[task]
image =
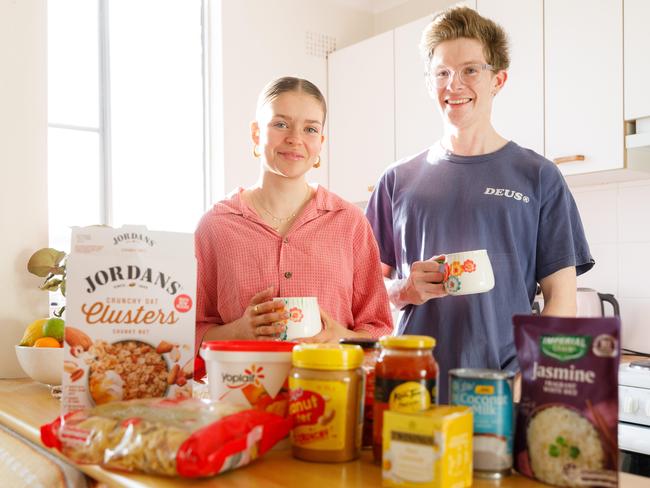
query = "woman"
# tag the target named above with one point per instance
(283, 238)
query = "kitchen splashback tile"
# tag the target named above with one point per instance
(634, 202)
(634, 270)
(603, 277)
(597, 206)
(634, 321)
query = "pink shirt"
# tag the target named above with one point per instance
(330, 252)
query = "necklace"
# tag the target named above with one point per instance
(279, 221)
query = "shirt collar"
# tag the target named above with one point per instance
(323, 201)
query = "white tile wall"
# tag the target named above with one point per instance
(616, 218)
(635, 318)
(634, 212)
(604, 276)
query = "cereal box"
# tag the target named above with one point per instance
(429, 449)
(130, 316)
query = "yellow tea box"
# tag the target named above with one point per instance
(430, 449)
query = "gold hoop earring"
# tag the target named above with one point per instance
(317, 163)
(255, 153)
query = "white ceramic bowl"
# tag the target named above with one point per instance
(42, 364)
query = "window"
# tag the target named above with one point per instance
(126, 114)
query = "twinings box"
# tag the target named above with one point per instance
(130, 316)
(430, 449)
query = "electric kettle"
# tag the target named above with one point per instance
(590, 303)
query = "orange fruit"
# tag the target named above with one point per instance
(47, 342)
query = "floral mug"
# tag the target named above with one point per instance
(304, 317)
(467, 272)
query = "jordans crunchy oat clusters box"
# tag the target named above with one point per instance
(130, 316)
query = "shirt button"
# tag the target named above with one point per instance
(285, 240)
(288, 274)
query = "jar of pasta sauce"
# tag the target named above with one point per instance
(406, 378)
(326, 389)
(370, 353)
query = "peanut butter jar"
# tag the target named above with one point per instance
(326, 390)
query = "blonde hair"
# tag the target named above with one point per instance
(463, 22)
(290, 84)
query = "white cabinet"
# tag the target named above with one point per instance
(361, 93)
(418, 123)
(583, 47)
(637, 59)
(518, 109)
(379, 107)
(417, 120)
(563, 97)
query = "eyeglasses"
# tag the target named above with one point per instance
(470, 74)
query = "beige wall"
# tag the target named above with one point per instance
(23, 161)
(263, 40)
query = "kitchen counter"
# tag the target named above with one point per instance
(26, 405)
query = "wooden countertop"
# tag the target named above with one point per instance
(26, 405)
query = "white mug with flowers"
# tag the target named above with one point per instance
(468, 272)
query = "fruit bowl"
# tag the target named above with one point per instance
(42, 364)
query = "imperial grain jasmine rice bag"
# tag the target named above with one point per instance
(129, 316)
(567, 421)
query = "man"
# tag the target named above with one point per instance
(474, 189)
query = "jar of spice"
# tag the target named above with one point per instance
(406, 377)
(325, 401)
(370, 353)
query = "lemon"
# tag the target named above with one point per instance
(33, 332)
(54, 328)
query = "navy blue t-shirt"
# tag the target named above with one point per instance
(512, 202)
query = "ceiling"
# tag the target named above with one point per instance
(374, 6)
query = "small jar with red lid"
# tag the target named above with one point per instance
(406, 378)
(371, 353)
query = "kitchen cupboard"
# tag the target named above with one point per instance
(380, 109)
(583, 49)
(362, 115)
(518, 109)
(636, 59)
(563, 99)
(636, 38)
(417, 121)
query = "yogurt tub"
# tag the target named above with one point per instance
(249, 373)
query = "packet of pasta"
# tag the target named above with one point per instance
(173, 437)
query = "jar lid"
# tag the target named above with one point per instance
(327, 356)
(408, 342)
(364, 343)
(249, 346)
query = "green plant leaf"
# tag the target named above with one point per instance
(63, 287)
(45, 261)
(51, 285)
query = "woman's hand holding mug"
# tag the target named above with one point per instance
(264, 317)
